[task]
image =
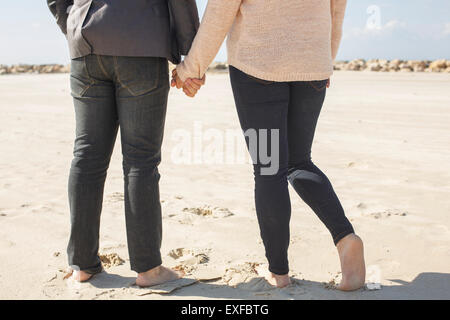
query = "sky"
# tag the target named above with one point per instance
(385, 29)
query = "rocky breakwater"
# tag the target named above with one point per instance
(34, 69)
(378, 65)
(375, 65)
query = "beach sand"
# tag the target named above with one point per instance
(383, 139)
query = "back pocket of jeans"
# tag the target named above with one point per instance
(138, 75)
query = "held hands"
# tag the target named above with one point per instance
(190, 86)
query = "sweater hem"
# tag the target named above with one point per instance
(280, 77)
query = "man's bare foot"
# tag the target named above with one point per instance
(278, 281)
(158, 275)
(79, 276)
(351, 254)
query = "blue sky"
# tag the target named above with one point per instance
(406, 29)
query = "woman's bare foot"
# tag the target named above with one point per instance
(158, 275)
(351, 254)
(79, 276)
(278, 281)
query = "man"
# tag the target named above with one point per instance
(119, 78)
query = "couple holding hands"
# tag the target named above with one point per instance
(281, 57)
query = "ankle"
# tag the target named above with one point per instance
(348, 238)
(152, 272)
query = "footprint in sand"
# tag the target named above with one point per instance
(115, 197)
(294, 239)
(188, 260)
(357, 165)
(242, 273)
(110, 260)
(361, 205)
(42, 208)
(209, 211)
(386, 214)
(110, 245)
(7, 243)
(108, 294)
(251, 276)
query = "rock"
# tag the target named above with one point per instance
(356, 65)
(339, 65)
(218, 66)
(4, 69)
(438, 65)
(394, 65)
(66, 69)
(23, 68)
(416, 63)
(374, 66)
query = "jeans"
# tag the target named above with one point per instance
(291, 108)
(108, 93)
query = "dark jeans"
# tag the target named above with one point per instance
(293, 109)
(108, 93)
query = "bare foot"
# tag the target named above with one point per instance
(158, 275)
(79, 276)
(278, 281)
(351, 253)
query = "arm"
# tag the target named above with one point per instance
(217, 21)
(337, 19)
(59, 10)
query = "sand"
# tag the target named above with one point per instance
(383, 139)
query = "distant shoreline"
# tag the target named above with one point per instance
(374, 65)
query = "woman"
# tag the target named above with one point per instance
(281, 58)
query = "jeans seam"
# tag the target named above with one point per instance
(100, 63)
(91, 80)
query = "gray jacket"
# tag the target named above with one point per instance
(151, 28)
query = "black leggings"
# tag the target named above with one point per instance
(292, 108)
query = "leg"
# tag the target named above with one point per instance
(263, 106)
(96, 129)
(142, 91)
(310, 182)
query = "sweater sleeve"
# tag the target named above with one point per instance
(216, 23)
(337, 18)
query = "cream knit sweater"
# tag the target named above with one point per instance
(278, 40)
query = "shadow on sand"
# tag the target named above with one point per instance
(427, 285)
